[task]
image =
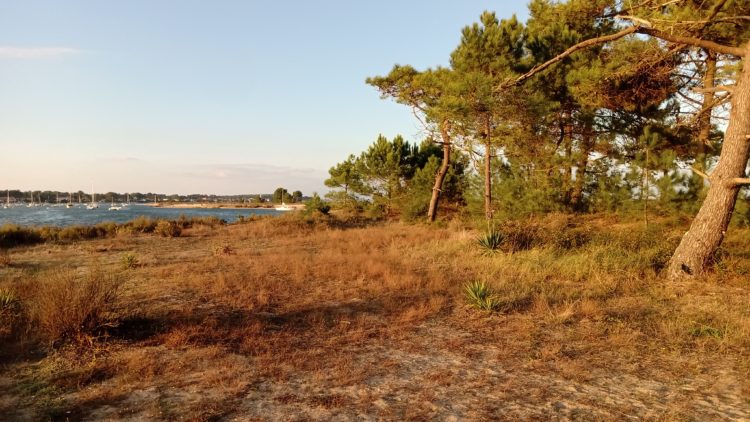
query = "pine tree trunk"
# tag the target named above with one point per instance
(704, 123)
(440, 176)
(487, 169)
(576, 195)
(706, 233)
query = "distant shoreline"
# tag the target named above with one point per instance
(215, 206)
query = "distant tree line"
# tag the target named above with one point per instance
(52, 197)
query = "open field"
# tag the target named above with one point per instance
(314, 318)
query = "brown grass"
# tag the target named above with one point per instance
(318, 318)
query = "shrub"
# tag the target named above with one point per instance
(166, 228)
(224, 249)
(490, 242)
(142, 225)
(10, 312)
(129, 260)
(68, 307)
(5, 260)
(14, 235)
(479, 295)
(316, 203)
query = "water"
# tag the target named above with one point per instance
(79, 215)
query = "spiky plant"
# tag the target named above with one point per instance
(479, 295)
(491, 241)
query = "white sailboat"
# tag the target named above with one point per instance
(31, 204)
(283, 207)
(93, 205)
(70, 200)
(114, 207)
(7, 199)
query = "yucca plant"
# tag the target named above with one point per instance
(491, 241)
(479, 295)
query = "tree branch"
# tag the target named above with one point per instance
(738, 181)
(580, 46)
(706, 177)
(720, 88)
(697, 42)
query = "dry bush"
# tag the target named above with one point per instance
(166, 228)
(5, 259)
(70, 307)
(10, 313)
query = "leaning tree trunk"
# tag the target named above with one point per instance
(701, 241)
(487, 169)
(440, 176)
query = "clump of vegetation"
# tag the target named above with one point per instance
(491, 241)
(129, 260)
(14, 235)
(10, 312)
(75, 308)
(317, 204)
(166, 228)
(224, 249)
(480, 296)
(5, 259)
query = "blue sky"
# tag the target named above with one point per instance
(207, 96)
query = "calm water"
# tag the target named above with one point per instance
(61, 216)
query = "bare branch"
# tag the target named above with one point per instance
(705, 176)
(720, 88)
(739, 181)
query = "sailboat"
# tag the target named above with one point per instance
(113, 207)
(31, 204)
(93, 205)
(283, 207)
(70, 200)
(127, 203)
(7, 200)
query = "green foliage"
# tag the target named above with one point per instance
(281, 195)
(317, 204)
(480, 296)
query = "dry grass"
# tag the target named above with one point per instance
(315, 318)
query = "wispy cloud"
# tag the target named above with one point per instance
(26, 53)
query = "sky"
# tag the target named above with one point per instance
(224, 97)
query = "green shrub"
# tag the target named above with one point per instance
(316, 203)
(166, 228)
(480, 296)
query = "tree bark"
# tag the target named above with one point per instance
(576, 195)
(487, 169)
(704, 123)
(698, 245)
(440, 176)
